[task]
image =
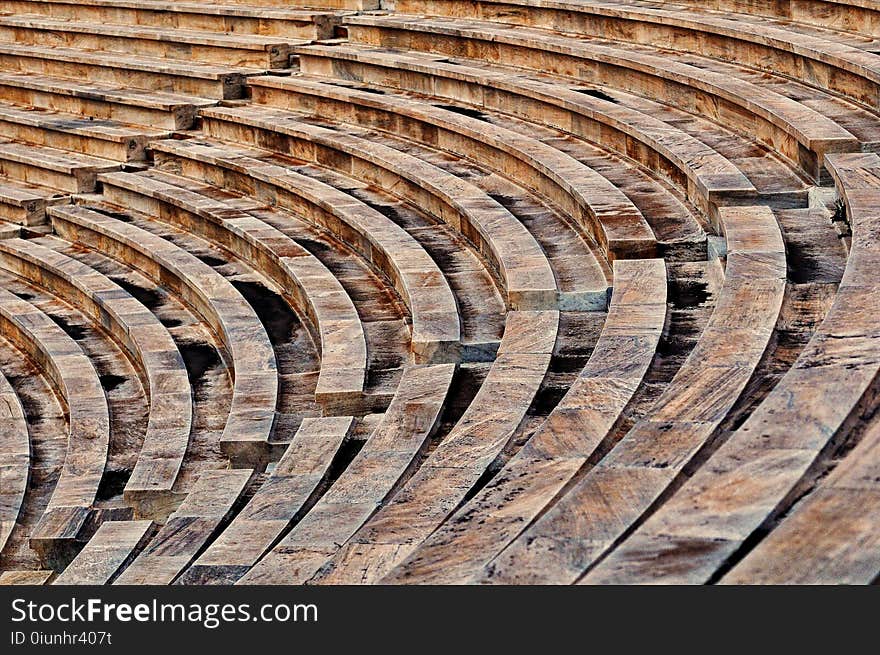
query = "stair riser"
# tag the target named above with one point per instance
(79, 181)
(228, 87)
(178, 118)
(276, 56)
(131, 149)
(321, 28)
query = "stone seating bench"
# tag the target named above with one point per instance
(25, 204)
(389, 454)
(452, 469)
(793, 129)
(315, 293)
(862, 16)
(777, 453)
(562, 445)
(31, 578)
(828, 538)
(255, 386)
(291, 490)
(617, 491)
(202, 16)
(522, 268)
(834, 62)
(536, 165)
(246, 50)
(130, 72)
(82, 135)
(63, 524)
(55, 169)
(436, 331)
(83, 97)
(15, 459)
(705, 176)
(151, 489)
(207, 507)
(109, 550)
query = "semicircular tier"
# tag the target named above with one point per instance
(463, 291)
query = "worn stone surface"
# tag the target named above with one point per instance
(253, 407)
(113, 545)
(208, 505)
(458, 291)
(88, 435)
(387, 457)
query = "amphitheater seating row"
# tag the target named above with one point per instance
(207, 507)
(25, 204)
(445, 199)
(560, 448)
(525, 275)
(291, 490)
(156, 109)
(552, 173)
(791, 128)
(383, 463)
(109, 550)
(52, 168)
(850, 15)
(756, 475)
(435, 322)
(15, 446)
(563, 543)
(706, 176)
(464, 456)
(63, 525)
(313, 289)
(242, 18)
(152, 485)
(217, 301)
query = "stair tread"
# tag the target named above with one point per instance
(275, 13)
(131, 62)
(106, 130)
(52, 158)
(195, 37)
(88, 89)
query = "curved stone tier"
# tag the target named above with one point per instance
(439, 292)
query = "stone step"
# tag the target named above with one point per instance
(247, 50)
(25, 204)
(83, 97)
(251, 18)
(48, 167)
(131, 71)
(106, 139)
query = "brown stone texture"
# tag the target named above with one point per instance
(439, 292)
